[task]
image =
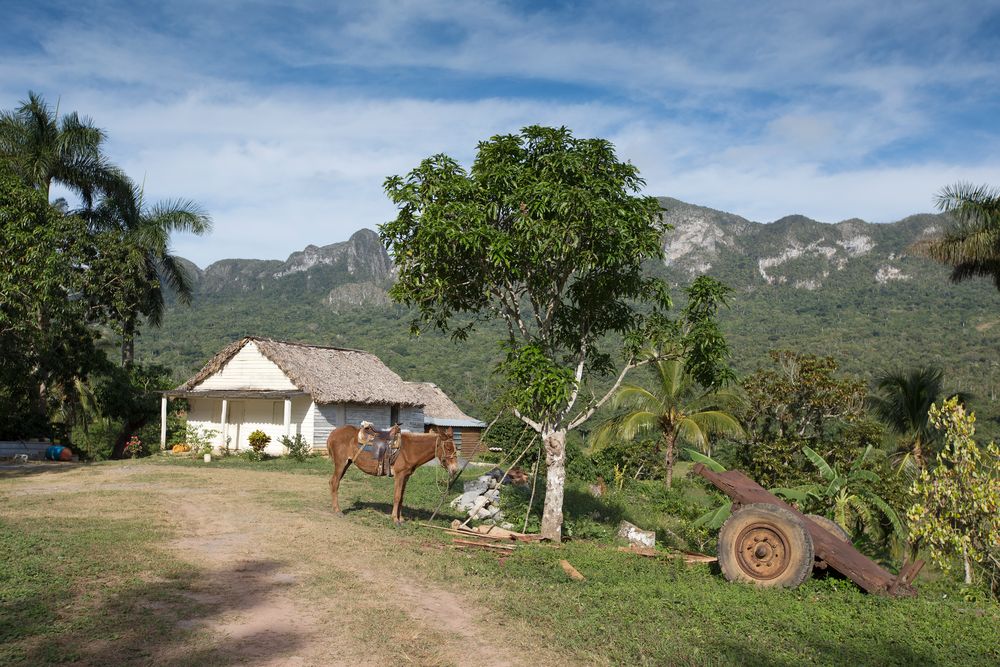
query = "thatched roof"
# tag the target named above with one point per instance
(329, 374)
(441, 410)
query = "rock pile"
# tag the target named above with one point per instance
(480, 497)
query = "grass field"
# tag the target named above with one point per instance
(91, 574)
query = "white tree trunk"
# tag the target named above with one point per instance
(968, 567)
(555, 482)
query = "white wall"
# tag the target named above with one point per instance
(204, 415)
(249, 415)
(248, 369)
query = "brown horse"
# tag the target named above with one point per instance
(415, 449)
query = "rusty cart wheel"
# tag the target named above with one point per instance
(766, 545)
(830, 526)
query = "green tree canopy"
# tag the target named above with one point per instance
(547, 233)
(801, 402)
(45, 292)
(957, 508)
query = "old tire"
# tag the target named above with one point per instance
(831, 527)
(765, 545)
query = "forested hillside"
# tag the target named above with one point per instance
(849, 290)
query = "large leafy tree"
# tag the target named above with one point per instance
(902, 401)
(44, 148)
(45, 341)
(957, 508)
(675, 409)
(971, 246)
(801, 402)
(137, 236)
(548, 234)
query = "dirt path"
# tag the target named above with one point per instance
(284, 583)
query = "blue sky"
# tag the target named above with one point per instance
(284, 121)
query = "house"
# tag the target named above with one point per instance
(286, 388)
(441, 412)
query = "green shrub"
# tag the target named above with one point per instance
(199, 440)
(259, 440)
(253, 455)
(297, 447)
(636, 459)
(97, 441)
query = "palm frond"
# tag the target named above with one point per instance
(634, 396)
(969, 201)
(634, 423)
(690, 431)
(716, 422)
(181, 215)
(176, 277)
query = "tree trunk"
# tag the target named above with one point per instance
(918, 453)
(128, 343)
(968, 567)
(555, 482)
(668, 459)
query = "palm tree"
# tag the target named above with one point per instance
(675, 410)
(147, 264)
(902, 401)
(971, 246)
(44, 148)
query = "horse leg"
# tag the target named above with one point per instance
(397, 503)
(339, 468)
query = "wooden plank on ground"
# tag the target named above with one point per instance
(573, 573)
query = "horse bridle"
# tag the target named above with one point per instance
(440, 441)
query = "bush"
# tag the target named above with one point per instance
(253, 455)
(98, 440)
(297, 447)
(637, 459)
(259, 440)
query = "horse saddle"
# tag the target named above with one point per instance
(383, 445)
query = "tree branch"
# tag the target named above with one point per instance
(578, 378)
(530, 422)
(589, 412)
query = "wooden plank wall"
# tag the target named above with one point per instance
(467, 440)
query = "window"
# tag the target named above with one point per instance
(278, 412)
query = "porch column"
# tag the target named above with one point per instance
(163, 422)
(225, 426)
(288, 417)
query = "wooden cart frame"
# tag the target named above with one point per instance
(772, 543)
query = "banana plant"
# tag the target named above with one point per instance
(848, 500)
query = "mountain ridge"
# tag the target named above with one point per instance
(851, 290)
